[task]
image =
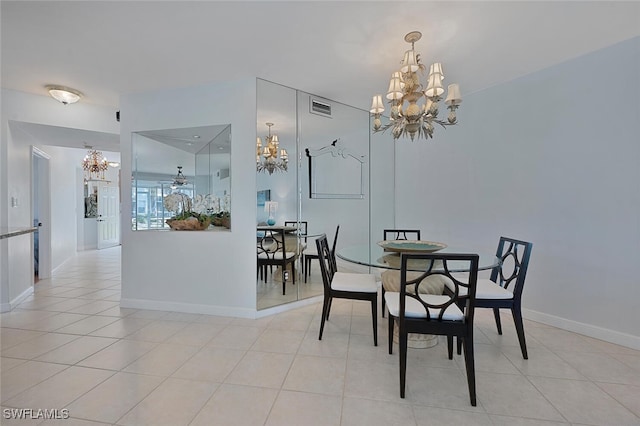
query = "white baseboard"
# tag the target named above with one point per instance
(190, 308)
(226, 311)
(611, 336)
(288, 306)
(6, 307)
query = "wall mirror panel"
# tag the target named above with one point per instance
(194, 162)
(286, 196)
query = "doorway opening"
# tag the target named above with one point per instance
(41, 213)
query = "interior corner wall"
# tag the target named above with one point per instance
(203, 272)
(551, 158)
(16, 255)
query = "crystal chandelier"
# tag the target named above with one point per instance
(414, 110)
(94, 163)
(267, 158)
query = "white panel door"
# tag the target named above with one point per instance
(108, 215)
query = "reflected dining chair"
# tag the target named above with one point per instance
(418, 311)
(312, 253)
(344, 285)
(272, 250)
(397, 234)
(302, 233)
(401, 234)
(503, 290)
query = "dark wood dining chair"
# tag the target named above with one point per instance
(397, 234)
(312, 253)
(273, 250)
(344, 285)
(503, 290)
(401, 234)
(416, 311)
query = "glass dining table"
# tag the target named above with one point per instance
(375, 256)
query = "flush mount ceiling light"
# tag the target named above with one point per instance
(421, 109)
(64, 95)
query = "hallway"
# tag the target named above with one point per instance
(70, 346)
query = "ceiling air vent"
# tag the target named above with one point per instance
(320, 108)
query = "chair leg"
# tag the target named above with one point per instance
(450, 346)
(517, 319)
(459, 345)
(374, 318)
(325, 314)
(390, 334)
(403, 361)
(496, 314)
(470, 366)
(307, 265)
(382, 303)
(329, 308)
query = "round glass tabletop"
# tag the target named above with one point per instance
(375, 256)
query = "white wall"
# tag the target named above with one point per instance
(551, 158)
(15, 173)
(207, 272)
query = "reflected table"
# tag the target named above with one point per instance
(292, 239)
(375, 256)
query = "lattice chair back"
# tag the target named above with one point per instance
(300, 225)
(514, 255)
(272, 245)
(401, 234)
(327, 261)
(434, 273)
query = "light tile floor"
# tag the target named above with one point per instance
(70, 346)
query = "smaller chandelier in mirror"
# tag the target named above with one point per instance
(414, 110)
(179, 180)
(271, 158)
(94, 164)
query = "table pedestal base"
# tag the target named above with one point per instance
(416, 341)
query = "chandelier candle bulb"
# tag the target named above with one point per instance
(377, 108)
(395, 89)
(453, 95)
(436, 68)
(410, 62)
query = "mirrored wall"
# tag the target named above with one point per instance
(327, 182)
(189, 164)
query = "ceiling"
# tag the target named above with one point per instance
(344, 51)
(191, 139)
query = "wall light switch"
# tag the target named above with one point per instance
(14, 201)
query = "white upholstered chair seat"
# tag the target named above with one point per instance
(414, 309)
(347, 281)
(277, 255)
(486, 289)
